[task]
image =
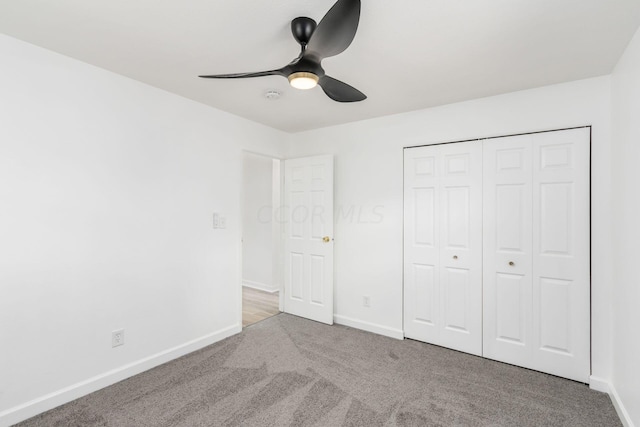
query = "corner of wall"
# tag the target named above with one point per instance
(604, 386)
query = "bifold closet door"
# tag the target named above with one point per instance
(536, 252)
(508, 237)
(443, 245)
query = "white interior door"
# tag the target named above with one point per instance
(443, 245)
(536, 266)
(308, 203)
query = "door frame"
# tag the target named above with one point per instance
(277, 229)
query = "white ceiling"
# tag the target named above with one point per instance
(407, 54)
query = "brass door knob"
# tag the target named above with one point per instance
(326, 239)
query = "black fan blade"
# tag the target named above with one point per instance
(336, 30)
(339, 91)
(279, 72)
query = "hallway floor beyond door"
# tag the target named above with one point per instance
(258, 305)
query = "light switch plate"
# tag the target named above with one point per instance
(219, 220)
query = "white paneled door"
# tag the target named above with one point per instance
(443, 245)
(308, 204)
(496, 249)
(507, 270)
(536, 252)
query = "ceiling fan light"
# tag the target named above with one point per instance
(303, 80)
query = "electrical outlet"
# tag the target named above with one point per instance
(117, 338)
(366, 301)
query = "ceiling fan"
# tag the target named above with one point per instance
(330, 37)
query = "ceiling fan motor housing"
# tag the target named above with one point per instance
(302, 29)
(308, 64)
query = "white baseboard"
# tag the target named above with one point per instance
(620, 409)
(599, 384)
(259, 286)
(605, 386)
(72, 392)
(369, 327)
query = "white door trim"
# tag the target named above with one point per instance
(277, 230)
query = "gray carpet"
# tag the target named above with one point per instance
(287, 371)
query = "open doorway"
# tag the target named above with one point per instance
(261, 240)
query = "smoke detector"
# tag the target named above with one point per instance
(272, 94)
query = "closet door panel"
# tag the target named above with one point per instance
(421, 243)
(536, 252)
(423, 304)
(443, 245)
(561, 293)
(511, 314)
(507, 253)
(461, 247)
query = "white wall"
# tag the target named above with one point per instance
(368, 184)
(107, 189)
(626, 208)
(257, 223)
